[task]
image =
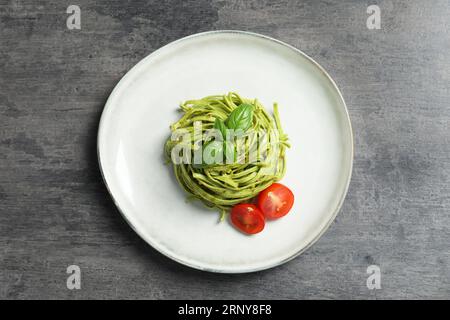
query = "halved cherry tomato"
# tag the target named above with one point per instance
(275, 201)
(247, 218)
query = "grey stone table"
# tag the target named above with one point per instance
(56, 212)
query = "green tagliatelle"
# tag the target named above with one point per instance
(222, 186)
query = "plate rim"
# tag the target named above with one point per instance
(338, 207)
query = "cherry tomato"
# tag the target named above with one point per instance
(275, 201)
(247, 218)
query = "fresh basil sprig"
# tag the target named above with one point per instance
(241, 118)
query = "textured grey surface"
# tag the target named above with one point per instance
(55, 210)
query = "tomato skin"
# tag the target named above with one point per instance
(275, 201)
(247, 218)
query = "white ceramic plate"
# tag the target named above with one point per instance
(135, 124)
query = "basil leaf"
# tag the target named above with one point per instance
(213, 153)
(220, 125)
(241, 118)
